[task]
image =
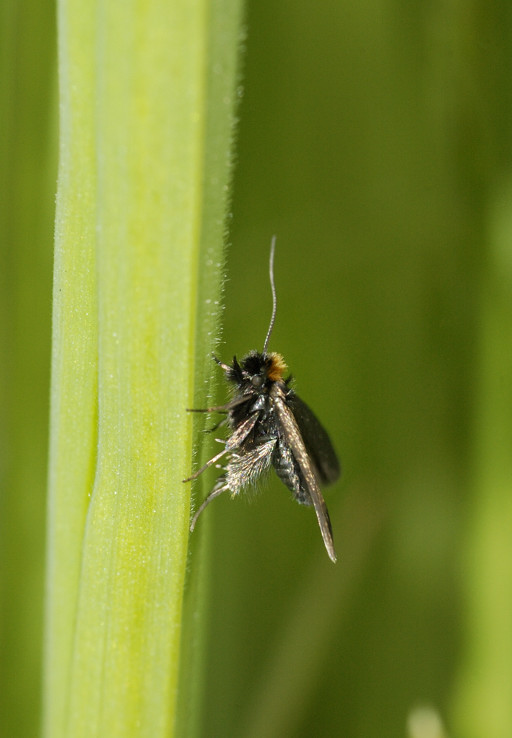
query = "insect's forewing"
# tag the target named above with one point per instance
(316, 440)
(293, 437)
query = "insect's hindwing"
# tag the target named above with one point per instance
(316, 440)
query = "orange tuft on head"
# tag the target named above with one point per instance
(276, 368)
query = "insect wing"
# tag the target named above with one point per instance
(294, 439)
(316, 440)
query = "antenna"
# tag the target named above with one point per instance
(274, 296)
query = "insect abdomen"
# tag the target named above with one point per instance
(289, 473)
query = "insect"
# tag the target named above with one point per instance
(271, 426)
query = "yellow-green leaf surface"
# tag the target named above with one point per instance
(147, 102)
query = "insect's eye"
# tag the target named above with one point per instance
(257, 380)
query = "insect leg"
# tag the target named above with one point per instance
(216, 409)
(216, 491)
(233, 442)
(222, 365)
(208, 464)
(217, 425)
(219, 408)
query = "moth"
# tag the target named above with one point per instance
(270, 426)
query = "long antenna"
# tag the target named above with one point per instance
(274, 296)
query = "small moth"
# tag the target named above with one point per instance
(271, 426)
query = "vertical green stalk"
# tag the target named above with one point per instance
(484, 704)
(147, 101)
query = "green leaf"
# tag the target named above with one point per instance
(147, 110)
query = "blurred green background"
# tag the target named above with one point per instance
(28, 172)
(375, 141)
